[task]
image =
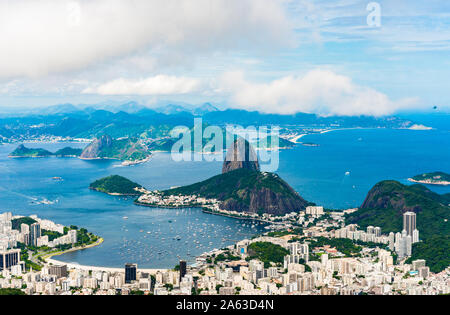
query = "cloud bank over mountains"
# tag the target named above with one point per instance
(319, 91)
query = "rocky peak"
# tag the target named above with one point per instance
(240, 155)
(92, 150)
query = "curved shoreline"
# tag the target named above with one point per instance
(50, 260)
(50, 255)
(107, 269)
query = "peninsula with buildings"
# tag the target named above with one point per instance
(26, 242)
(436, 178)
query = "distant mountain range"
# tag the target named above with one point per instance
(131, 107)
(134, 120)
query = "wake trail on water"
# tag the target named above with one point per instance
(18, 194)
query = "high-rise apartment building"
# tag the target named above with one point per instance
(182, 269)
(35, 233)
(409, 222)
(58, 270)
(130, 272)
(9, 258)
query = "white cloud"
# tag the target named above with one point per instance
(319, 91)
(157, 85)
(53, 36)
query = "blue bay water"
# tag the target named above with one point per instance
(348, 163)
(148, 237)
(338, 174)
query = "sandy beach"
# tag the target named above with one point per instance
(94, 268)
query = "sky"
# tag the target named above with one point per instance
(343, 57)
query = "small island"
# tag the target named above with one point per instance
(23, 152)
(116, 185)
(436, 178)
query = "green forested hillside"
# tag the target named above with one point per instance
(248, 191)
(388, 200)
(116, 185)
(385, 205)
(22, 151)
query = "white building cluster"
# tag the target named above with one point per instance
(372, 234)
(305, 270)
(31, 235)
(156, 198)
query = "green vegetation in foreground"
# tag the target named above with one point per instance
(433, 177)
(11, 292)
(25, 257)
(22, 151)
(296, 231)
(267, 252)
(343, 245)
(116, 184)
(388, 200)
(227, 256)
(435, 250)
(16, 223)
(52, 235)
